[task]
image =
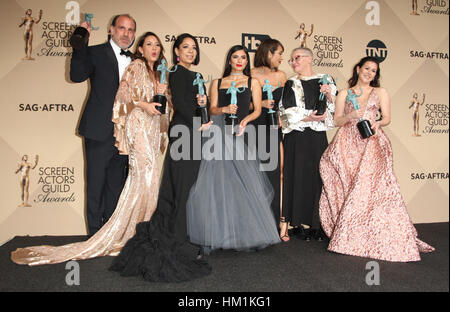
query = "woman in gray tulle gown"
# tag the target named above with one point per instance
(229, 205)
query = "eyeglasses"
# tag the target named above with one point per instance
(296, 59)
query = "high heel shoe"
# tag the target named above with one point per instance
(285, 236)
(318, 235)
(301, 233)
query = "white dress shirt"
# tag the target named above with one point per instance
(122, 60)
(292, 117)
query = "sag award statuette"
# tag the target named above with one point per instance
(271, 114)
(321, 105)
(80, 36)
(203, 109)
(161, 98)
(364, 127)
(232, 120)
(24, 168)
(88, 18)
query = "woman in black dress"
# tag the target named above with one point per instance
(229, 204)
(304, 141)
(160, 251)
(268, 58)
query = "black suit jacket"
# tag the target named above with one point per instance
(99, 64)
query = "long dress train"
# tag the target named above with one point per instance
(138, 135)
(160, 250)
(361, 208)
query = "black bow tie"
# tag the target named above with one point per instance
(126, 53)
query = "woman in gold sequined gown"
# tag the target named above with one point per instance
(140, 132)
(361, 208)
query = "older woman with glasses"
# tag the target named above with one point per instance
(306, 110)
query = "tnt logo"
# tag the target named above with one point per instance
(377, 49)
(252, 41)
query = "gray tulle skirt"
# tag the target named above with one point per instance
(229, 205)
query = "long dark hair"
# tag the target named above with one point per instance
(262, 53)
(138, 54)
(354, 80)
(177, 44)
(233, 49)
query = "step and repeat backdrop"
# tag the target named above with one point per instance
(42, 181)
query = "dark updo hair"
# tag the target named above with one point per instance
(138, 55)
(177, 44)
(354, 80)
(234, 49)
(262, 53)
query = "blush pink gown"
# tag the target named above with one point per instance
(140, 136)
(361, 208)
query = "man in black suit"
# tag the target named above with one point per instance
(106, 170)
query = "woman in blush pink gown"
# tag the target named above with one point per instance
(361, 208)
(140, 132)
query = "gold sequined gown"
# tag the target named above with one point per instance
(140, 136)
(361, 208)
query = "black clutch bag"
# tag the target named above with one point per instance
(365, 128)
(320, 107)
(202, 111)
(161, 99)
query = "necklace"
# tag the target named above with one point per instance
(236, 74)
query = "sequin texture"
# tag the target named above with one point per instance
(138, 135)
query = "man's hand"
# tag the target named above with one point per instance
(87, 26)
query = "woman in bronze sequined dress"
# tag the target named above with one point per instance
(140, 132)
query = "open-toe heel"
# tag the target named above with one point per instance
(284, 236)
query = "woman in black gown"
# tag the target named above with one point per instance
(229, 204)
(160, 251)
(268, 58)
(304, 141)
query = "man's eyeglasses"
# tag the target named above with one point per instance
(296, 59)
